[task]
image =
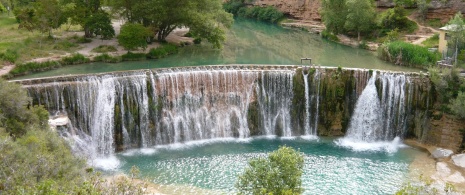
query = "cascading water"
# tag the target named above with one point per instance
(365, 124)
(143, 109)
(312, 98)
(379, 120)
(307, 105)
(116, 111)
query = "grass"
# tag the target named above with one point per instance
(30, 45)
(432, 41)
(406, 54)
(435, 23)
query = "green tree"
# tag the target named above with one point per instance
(133, 36)
(49, 15)
(205, 18)
(334, 14)
(100, 24)
(457, 34)
(2, 8)
(83, 11)
(360, 16)
(15, 114)
(280, 173)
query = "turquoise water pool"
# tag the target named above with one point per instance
(214, 165)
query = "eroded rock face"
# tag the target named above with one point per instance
(441, 153)
(298, 9)
(309, 9)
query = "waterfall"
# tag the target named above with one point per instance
(117, 111)
(308, 131)
(312, 101)
(380, 119)
(365, 124)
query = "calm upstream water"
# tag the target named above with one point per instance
(212, 167)
(250, 42)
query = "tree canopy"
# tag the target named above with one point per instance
(205, 18)
(133, 36)
(278, 174)
(334, 13)
(360, 16)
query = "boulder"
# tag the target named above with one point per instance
(441, 153)
(459, 160)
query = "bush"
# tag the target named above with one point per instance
(107, 58)
(197, 40)
(104, 49)
(76, 58)
(160, 52)
(64, 45)
(266, 14)
(457, 105)
(31, 67)
(233, 6)
(407, 54)
(83, 40)
(133, 36)
(9, 56)
(330, 36)
(280, 173)
(134, 56)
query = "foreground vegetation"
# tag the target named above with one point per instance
(278, 174)
(35, 160)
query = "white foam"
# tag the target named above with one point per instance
(310, 137)
(106, 164)
(357, 145)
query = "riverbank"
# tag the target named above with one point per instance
(429, 173)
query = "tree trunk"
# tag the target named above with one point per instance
(358, 38)
(87, 32)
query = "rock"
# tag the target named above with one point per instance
(441, 153)
(59, 121)
(459, 160)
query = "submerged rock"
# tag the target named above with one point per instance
(441, 153)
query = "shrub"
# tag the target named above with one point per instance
(457, 105)
(76, 58)
(64, 45)
(104, 49)
(407, 54)
(280, 173)
(197, 40)
(9, 56)
(267, 14)
(30, 67)
(233, 6)
(328, 35)
(133, 56)
(133, 36)
(83, 40)
(160, 52)
(107, 58)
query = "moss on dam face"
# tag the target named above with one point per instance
(163, 106)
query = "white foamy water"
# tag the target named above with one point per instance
(357, 145)
(107, 164)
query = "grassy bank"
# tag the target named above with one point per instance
(33, 67)
(30, 45)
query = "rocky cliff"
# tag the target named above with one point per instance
(309, 9)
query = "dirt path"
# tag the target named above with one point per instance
(420, 35)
